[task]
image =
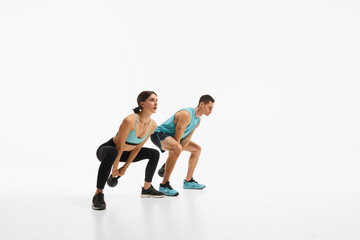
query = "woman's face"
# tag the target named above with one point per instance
(150, 104)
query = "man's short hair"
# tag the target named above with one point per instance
(206, 99)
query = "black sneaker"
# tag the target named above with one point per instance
(161, 171)
(98, 202)
(151, 192)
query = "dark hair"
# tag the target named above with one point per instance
(206, 99)
(142, 97)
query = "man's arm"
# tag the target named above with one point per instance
(182, 119)
(187, 139)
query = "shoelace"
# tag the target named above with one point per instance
(167, 184)
(192, 180)
(100, 197)
(151, 189)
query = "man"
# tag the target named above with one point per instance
(174, 135)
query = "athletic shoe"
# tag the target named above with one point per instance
(151, 192)
(161, 171)
(168, 190)
(98, 202)
(192, 184)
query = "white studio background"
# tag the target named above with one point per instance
(284, 75)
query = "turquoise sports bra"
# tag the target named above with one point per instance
(132, 139)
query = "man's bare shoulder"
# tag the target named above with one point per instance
(182, 116)
(183, 113)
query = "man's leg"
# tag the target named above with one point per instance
(174, 148)
(195, 151)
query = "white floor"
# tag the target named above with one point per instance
(249, 210)
(280, 152)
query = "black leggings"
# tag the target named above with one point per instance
(107, 153)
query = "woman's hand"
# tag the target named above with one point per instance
(115, 172)
(122, 171)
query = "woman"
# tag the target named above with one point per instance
(127, 147)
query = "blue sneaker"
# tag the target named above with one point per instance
(168, 190)
(192, 184)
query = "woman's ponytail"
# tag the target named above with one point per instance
(137, 110)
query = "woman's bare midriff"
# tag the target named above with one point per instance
(127, 147)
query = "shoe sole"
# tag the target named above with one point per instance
(195, 188)
(98, 208)
(175, 195)
(151, 196)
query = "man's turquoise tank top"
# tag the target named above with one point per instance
(169, 127)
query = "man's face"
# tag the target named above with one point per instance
(207, 108)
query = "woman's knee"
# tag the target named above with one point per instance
(154, 155)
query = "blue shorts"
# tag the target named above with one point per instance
(157, 137)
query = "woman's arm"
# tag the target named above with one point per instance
(124, 130)
(136, 150)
